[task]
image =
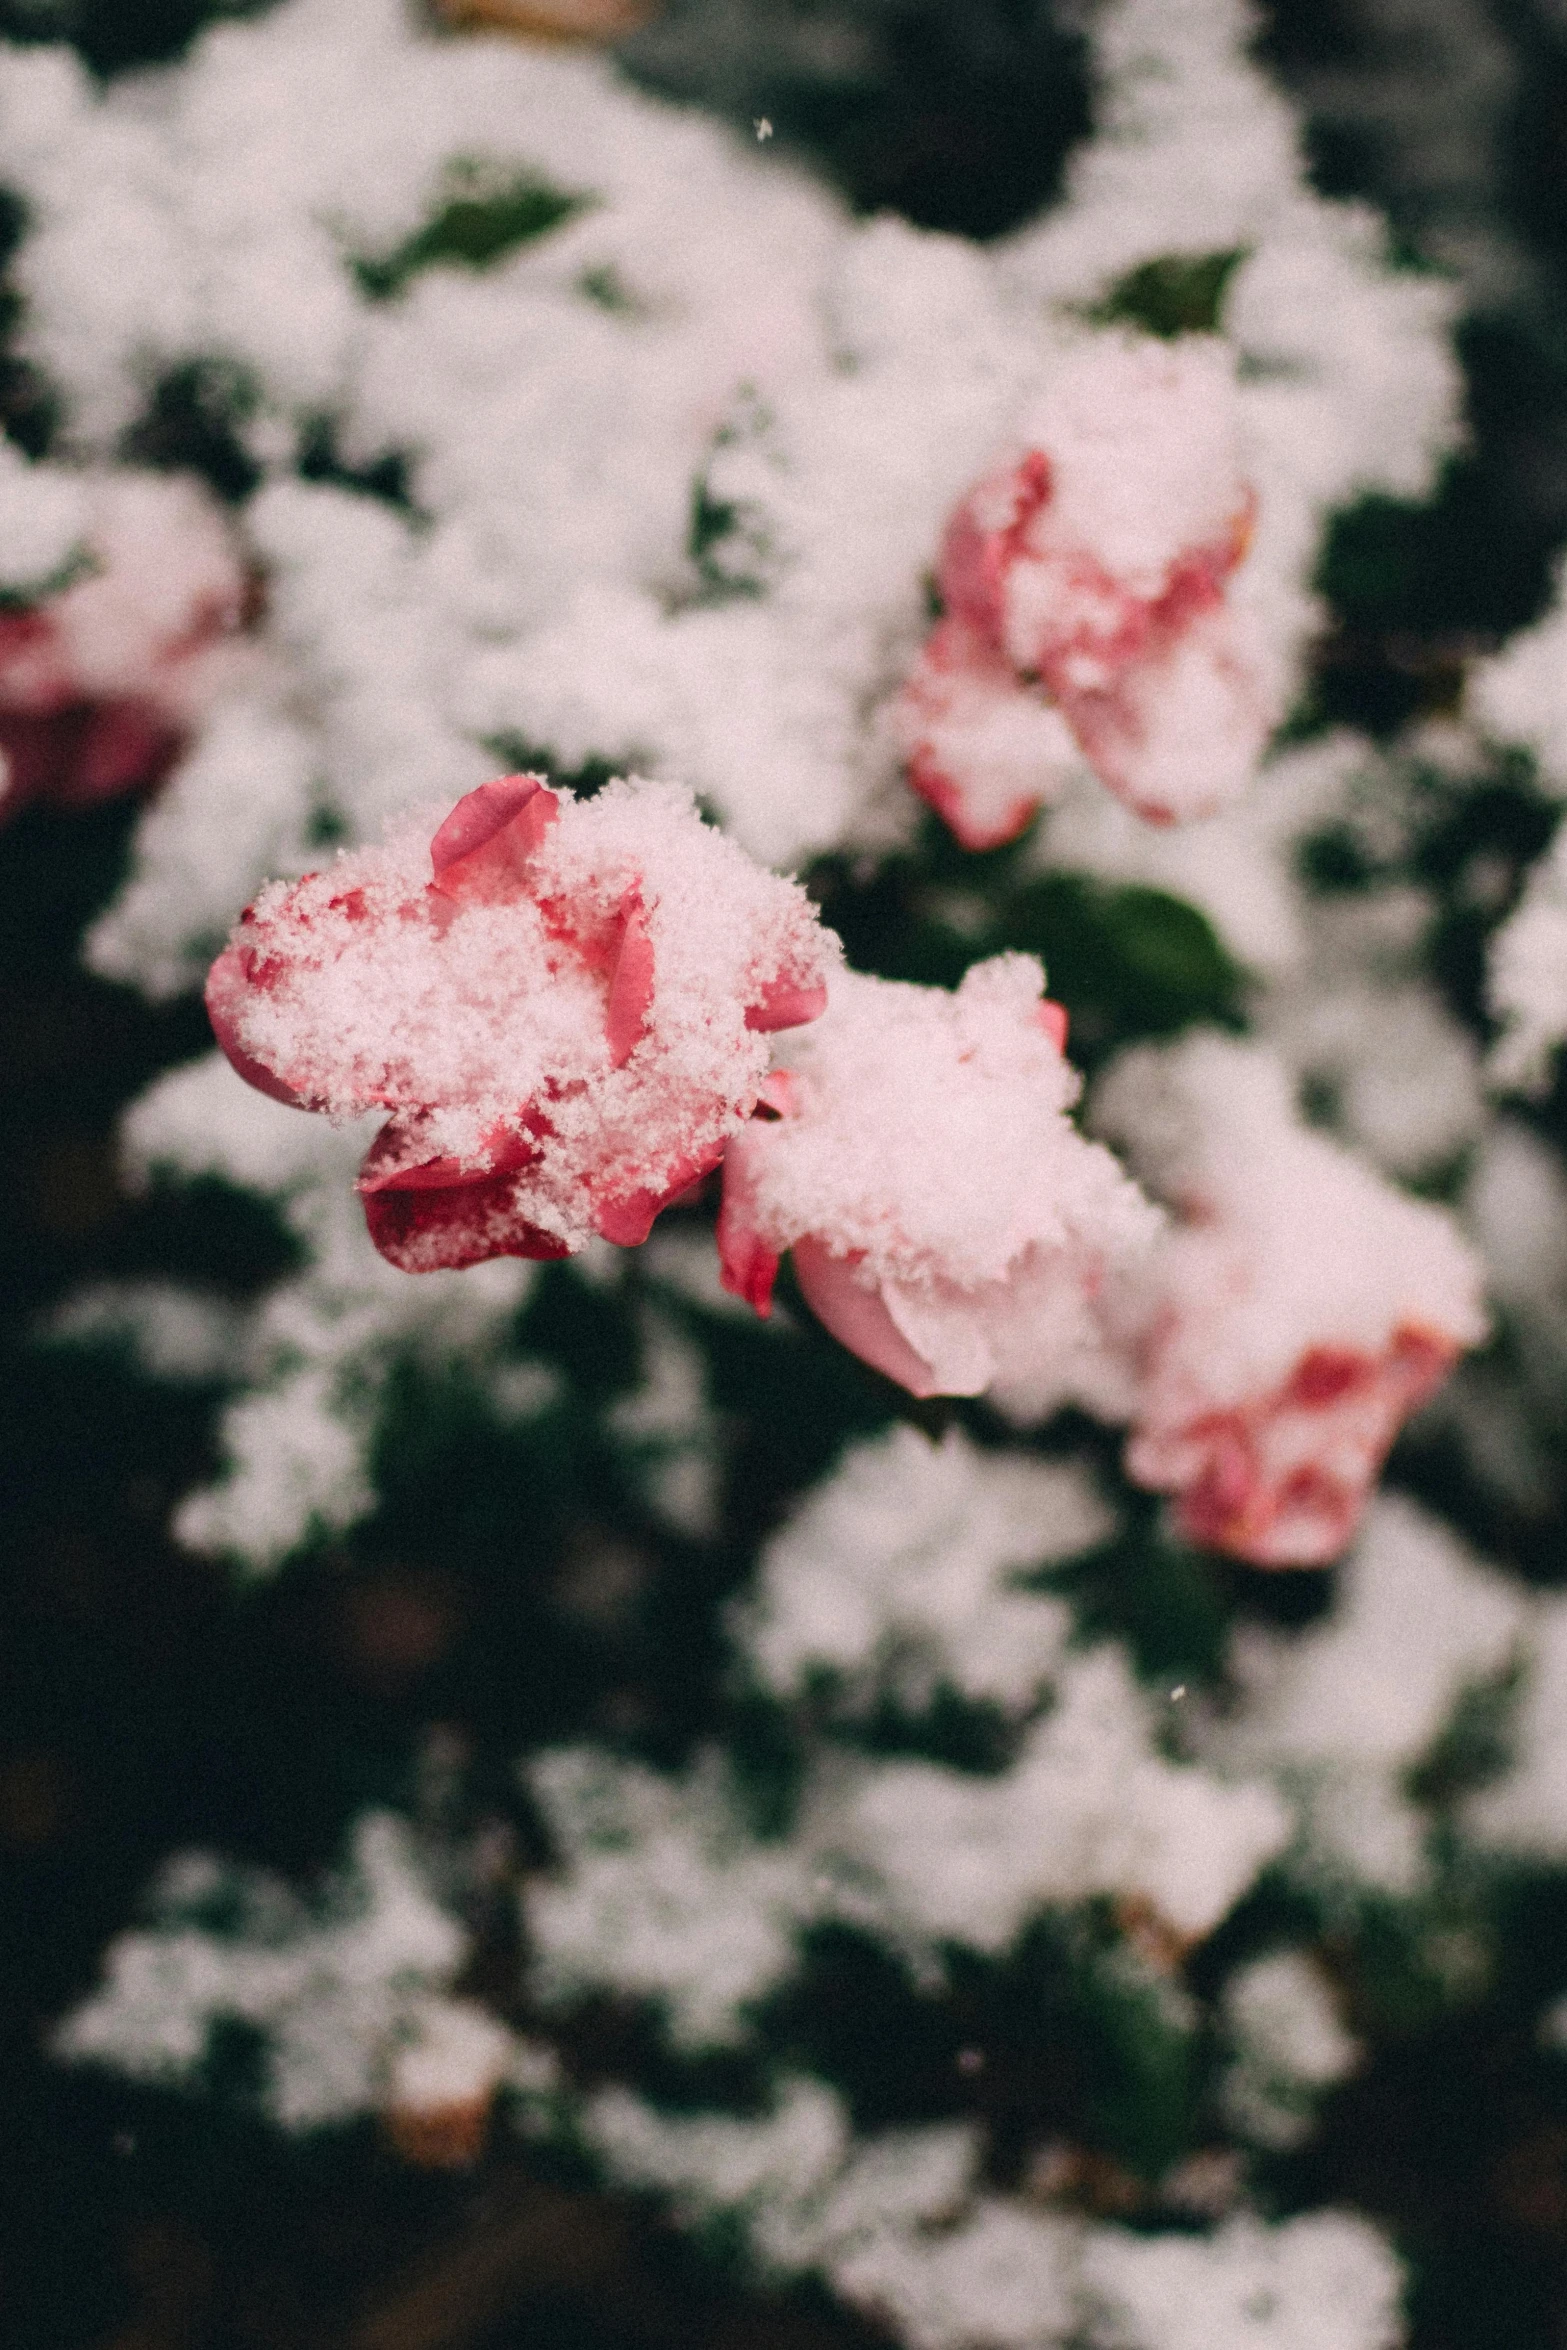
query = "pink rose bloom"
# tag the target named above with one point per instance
(1297, 1312)
(102, 682)
(563, 1006)
(1089, 606)
(948, 1223)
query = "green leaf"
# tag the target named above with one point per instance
(1174, 294)
(1127, 962)
(483, 218)
(1474, 1745)
(1164, 1600)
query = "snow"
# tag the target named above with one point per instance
(900, 1573)
(333, 1989)
(1290, 2043)
(1341, 1711)
(1087, 1808)
(1325, 2281)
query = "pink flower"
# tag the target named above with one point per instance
(102, 682)
(1088, 606)
(562, 1004)
(1294, 1316)
(948, 1223)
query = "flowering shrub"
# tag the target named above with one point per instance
(105, 674)
(928, 1842)
(1089, 598)
(566, 1020)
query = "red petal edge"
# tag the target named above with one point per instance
(422, 1231)
(228, 984)
(483, 847)
(628, 1219)
(631, 986)
(747, 1267)
(783, 1004)
(857, 1317)
(1052, 1019)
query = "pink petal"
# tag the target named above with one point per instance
(461, 1224)
(627, 1219)
(396, 1160)
(1052, 1019)
(952, 804)
(1282, 1481)
(783, 1004)
(779, 1091)
(984, 537)
(76, 756)
(127, 747)
(857, 1318)
(631, 986)
(483, 847)
(747, 1266)
(35, 670)
(960, 685)
(1122, 718)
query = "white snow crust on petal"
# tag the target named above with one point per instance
(989, 1277)
(467, 1015)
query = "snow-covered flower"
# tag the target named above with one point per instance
(1297, 1313)
(1086, 601)
(107, 665)
(948, 1223)
(562, 1004)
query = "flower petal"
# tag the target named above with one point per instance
(857, 1317)
(631, 984)
(483, 848)
(230, 983)
(429, 1231)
